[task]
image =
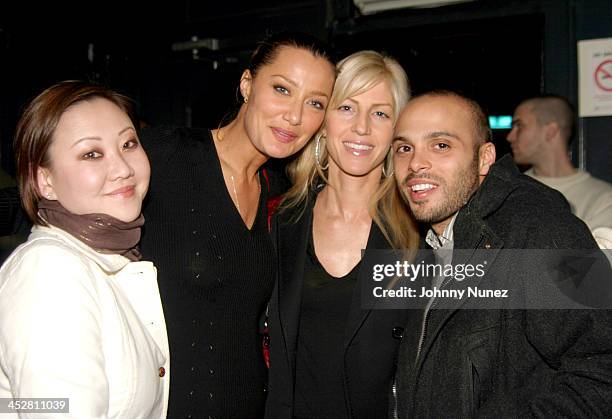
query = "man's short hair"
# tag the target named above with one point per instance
(482, 131)
(549, 108)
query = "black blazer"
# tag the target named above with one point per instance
(371, 336)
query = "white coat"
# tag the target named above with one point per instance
(82, 325)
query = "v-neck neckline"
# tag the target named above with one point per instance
(311, 247)
(228, 197)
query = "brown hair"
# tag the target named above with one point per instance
(268, 49)
(36, 128)
(548, 108)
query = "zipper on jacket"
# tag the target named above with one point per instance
(422, 337)
(424, 324)
(394, 395)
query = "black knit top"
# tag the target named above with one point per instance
(319, 369)
(215, 277)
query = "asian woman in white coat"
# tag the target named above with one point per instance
(80, 315)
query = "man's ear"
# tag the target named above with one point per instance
(44, 182)
(246, 81)
(551, 130)
(486, 158)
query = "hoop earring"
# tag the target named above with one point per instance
(384, 170)
(318, 154)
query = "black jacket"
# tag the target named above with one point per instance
(370, 347)
(510, 362)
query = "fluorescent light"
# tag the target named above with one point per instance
(500, 122)
(372, 6)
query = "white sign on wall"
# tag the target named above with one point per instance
(595, 77)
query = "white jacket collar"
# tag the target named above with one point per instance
(110, 263)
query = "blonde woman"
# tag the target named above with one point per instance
(329, 356)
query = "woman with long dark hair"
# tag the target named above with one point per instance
(207, 226)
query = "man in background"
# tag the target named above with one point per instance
(542, 128)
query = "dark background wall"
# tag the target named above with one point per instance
(497, 51)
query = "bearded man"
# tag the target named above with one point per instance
(464, 358)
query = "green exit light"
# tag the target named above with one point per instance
(500, 122)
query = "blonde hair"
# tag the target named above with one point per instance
(358, 73)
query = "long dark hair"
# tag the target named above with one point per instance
(267, 49)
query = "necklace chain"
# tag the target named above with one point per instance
(236, 192)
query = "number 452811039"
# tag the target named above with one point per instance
(34, 405)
